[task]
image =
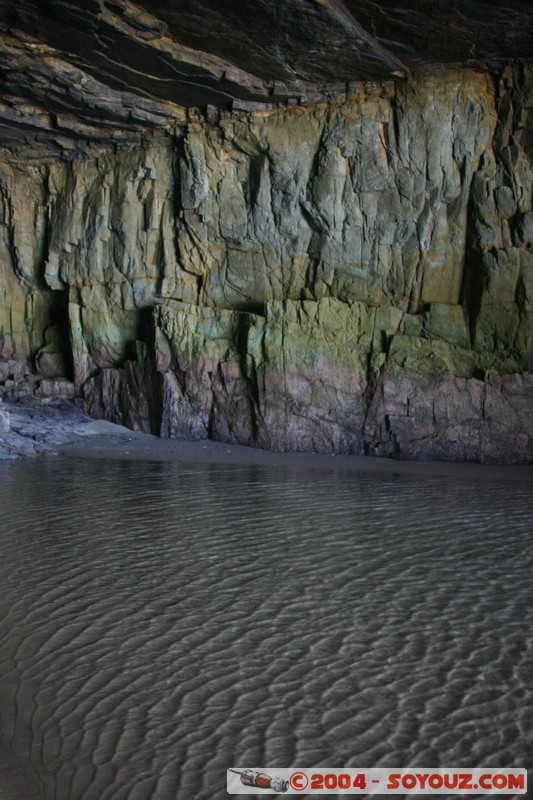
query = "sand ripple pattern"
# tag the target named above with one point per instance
(160, 623)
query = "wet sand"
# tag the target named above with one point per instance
(114, 442)
(63, 429)
(165, 621)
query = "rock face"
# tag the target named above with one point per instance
(354, 276)
(78, 73)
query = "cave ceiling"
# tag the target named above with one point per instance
(78, 72)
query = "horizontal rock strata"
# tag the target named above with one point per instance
(77, 73)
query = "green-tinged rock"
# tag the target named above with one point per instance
(266, 277)
(429, 357)
(293, 379)
(445, 323)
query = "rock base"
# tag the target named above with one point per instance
(323, 377)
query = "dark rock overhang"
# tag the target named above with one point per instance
(77, 72)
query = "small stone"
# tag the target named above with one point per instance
(5, 424)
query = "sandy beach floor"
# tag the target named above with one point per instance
(126, 444)
(62, 429)
(166, 600)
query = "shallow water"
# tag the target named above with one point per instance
(161, 623)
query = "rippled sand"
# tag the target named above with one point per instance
(162, 622)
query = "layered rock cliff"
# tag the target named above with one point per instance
(353, 276)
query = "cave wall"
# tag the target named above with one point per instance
(350, 277)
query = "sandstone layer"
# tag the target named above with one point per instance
(353, 277)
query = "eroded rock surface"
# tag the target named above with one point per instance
(41, 426)
(354, 276)
(330, 376)
(78, 73)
